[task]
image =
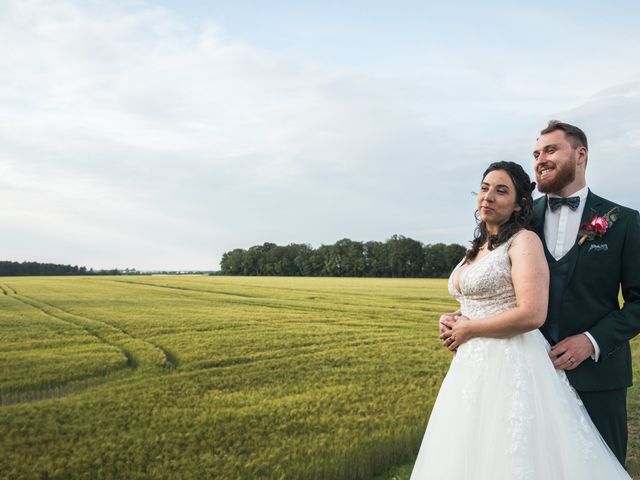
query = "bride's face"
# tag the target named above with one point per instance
(497, 199)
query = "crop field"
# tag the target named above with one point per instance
(193, 377)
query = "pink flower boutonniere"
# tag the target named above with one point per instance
(597, 226)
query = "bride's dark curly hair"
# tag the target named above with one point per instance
(517, 221)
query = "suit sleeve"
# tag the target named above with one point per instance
(620, 326)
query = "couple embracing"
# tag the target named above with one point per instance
(537, 387)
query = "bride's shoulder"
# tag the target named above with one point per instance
(525, 241)
(527, 255)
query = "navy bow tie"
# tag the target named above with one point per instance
(571, 202)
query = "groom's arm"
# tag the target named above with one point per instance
(618, 327)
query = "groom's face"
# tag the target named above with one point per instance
(555, 162)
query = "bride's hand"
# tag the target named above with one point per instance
(447, 317)
(459, 332)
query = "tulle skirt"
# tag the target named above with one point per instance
(504, 412)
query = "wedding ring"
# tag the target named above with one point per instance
(572, 359)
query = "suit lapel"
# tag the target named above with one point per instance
(539, 211)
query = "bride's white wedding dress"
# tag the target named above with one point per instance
(503, 411)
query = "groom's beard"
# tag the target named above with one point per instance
(564, 174)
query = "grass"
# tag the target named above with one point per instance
(169, 377)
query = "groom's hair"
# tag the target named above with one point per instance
(575, 136)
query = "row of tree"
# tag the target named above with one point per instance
(10, 269)
(399, 256)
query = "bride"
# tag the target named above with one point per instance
(503, 411)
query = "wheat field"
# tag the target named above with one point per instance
(180, 377)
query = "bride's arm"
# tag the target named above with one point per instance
(530, 277)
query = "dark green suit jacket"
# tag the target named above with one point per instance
(597, 270)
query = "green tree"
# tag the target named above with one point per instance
(440, 259)
(376, 259)
(349, 258)
(399, 256)
(406, 256)
(232, 262)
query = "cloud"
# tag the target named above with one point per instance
(131, 137)
(121, 124)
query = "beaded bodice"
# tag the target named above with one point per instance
(485, 285)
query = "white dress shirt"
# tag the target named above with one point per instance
(561, 233)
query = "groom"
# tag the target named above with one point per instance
(592, 246)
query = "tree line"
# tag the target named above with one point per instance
(10, 269)
(398, 256)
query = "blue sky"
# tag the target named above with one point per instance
(158, 135)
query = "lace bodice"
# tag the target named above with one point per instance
(485, 285)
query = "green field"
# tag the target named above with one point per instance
(179, 377)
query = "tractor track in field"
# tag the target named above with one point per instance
(173, 287)
(258, 301)
(7, 289)
(138, 352)
(61, 389)
(315, 350)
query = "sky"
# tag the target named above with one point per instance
(160, 134)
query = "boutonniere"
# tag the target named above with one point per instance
(597, 226)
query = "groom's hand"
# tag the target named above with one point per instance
(571, 352)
